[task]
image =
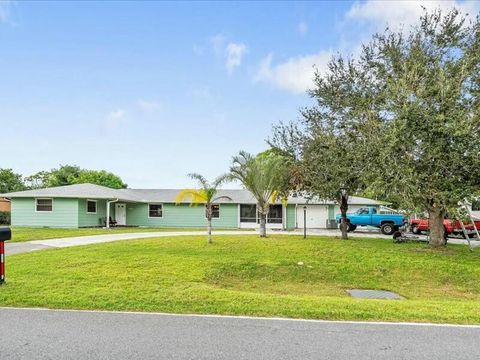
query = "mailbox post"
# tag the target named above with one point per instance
(5, 234)
(305, 222)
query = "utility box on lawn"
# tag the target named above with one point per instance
(5, 234)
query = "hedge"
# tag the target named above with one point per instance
(4, 218)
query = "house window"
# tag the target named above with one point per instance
(248, 213)
(275, 214)
(155, 210)
(476, 205)
(215, 211)
(44, 205)
(91, 206)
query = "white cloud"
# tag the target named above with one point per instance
(362, 19)
(396, 14)
(234, 53)
(115, 119)
(296, 74)
(231, 52)
(302, 27)
(5, 10)
(149, 107)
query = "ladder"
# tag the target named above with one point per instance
(472, 221)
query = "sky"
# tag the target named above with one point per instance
(152, 91)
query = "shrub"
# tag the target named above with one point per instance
(4, 218)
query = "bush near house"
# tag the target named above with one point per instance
(4, 218)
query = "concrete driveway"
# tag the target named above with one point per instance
(14, 248)
(32, 334)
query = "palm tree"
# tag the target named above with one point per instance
(262, 176)
(206, 194)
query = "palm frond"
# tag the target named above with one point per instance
(274, 196)
(200, 179)
(221, 198)
(193, 196)
(220, 180)
(262, 175)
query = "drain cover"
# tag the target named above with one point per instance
(374, 294)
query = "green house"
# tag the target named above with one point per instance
(87, 205)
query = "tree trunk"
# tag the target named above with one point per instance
(435, 223)
(343, 210)
(209, 230)
(263, 227)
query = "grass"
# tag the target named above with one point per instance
(28, 233)
(246, 275)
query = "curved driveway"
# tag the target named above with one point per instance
(20, 247)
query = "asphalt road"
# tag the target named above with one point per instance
(44, 334)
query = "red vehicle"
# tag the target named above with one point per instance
(452, 227)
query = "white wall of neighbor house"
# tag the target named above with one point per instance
(475, 209)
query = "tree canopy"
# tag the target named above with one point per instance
(100, 177)
(263, 175)
(429, 146)
(402, 120)
(330, 141)
(10, 181)
(68, 175)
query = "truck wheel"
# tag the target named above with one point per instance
(387, 229)
(416, 230)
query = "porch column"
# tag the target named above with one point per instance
(107, 219)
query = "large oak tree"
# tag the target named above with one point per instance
(402, 120)
(429, 147)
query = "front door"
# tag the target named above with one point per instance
(121, 214)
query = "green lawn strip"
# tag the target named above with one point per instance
(246, 275)
(27, 233)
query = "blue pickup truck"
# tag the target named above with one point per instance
(367, 216)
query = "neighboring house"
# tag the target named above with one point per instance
(4, 205)
(87, 205)
(475, 209)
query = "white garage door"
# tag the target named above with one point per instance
(317, 216)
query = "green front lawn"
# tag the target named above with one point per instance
(246, 275)
(28, 234)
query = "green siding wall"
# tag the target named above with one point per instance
(182, 216)
(72, 213)
(291, 221)
(89, 220)
(64, 214)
